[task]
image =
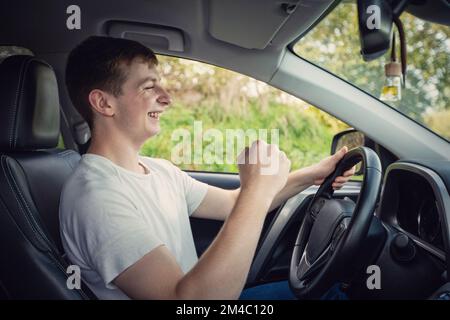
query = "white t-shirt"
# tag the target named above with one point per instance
(110, 217)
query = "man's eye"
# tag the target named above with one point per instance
(148, 88)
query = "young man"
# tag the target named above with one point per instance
(125, 218)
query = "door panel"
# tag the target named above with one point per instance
(204, 230)
(222, 180)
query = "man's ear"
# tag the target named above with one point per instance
(101, 102)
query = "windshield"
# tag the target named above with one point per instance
(334, 45)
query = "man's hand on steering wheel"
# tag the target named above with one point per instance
(326, 166)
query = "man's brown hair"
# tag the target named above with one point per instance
(97, 63)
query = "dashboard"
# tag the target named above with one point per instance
(417, 211)
(415, 201)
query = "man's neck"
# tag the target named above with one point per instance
(118, 150)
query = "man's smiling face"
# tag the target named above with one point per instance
(141, 102)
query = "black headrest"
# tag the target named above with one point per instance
(29, 104)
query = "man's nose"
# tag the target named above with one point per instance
(164, 98)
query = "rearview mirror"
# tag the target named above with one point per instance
(351, 138)
(375, 27)
(375, 20)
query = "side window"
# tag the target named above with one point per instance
(216, 112)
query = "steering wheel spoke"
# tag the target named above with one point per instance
(316, 207)
(306, 269)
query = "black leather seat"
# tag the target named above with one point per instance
(32, 173)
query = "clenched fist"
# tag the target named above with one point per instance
(263, 167)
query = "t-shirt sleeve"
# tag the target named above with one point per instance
(113, 236)
(194, 190)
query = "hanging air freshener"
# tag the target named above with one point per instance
(392, 88)
(395, 72)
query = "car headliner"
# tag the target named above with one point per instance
(246, 35)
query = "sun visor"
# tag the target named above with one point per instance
(250, 24)
(156, 37)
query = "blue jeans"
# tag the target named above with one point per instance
(269, 291)
(281, 291)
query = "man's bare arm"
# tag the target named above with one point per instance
(219, 202)
(222, 270)
(298, 181)
(219, 274)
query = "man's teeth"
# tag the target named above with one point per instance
(154, 115)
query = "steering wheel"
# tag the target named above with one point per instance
(327, 247)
